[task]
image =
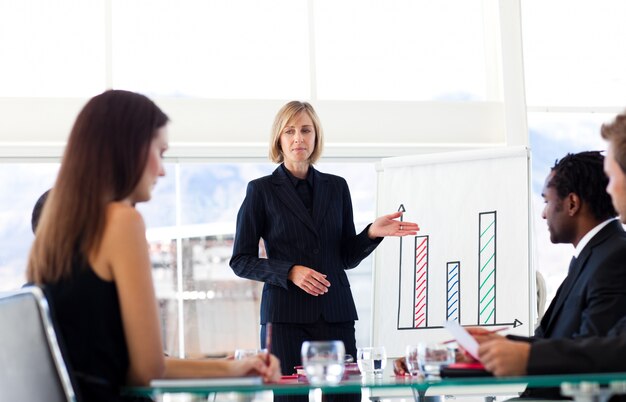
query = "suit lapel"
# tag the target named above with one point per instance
(566, 288)
(286, 192)
(568, 284)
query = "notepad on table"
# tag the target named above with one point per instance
(205, 382)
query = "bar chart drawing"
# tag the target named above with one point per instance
(487, 285)
(471, 258)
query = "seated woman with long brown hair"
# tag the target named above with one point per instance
(91, 255)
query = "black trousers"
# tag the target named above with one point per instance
(287, 343)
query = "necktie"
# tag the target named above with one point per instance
(568, 279)
(572, 264)
(540, 331)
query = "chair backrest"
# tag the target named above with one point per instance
(542, 295)
(31, 364)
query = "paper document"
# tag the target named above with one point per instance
(205, 382)
(463, 338)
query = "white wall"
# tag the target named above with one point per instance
(240, 128)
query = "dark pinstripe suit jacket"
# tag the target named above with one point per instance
(325, 242)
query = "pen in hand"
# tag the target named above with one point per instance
(268, 342)
(488, 332)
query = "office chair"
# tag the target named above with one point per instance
(542, 294)
(31, 364)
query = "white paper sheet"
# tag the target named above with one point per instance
(463, 338)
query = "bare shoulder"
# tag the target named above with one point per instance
(122, 236)
(123, 227)
(123, 217)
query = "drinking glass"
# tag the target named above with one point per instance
(323, 361)
(412, 359)
(241, 354)
(431, 356)
(371, 360)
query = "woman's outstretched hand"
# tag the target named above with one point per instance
(387, 225)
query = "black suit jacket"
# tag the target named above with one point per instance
(598, 354)
(589, 302)
(326, 242)
(593, 296)
(594, 299)
(583, 355)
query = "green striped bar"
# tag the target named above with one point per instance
(487, 268)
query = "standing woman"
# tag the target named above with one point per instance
(305, 220)
(91, 256)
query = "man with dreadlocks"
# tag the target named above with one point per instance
(578, 211)
(592, 298)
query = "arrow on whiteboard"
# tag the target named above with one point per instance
(516, 323)
(401, 208)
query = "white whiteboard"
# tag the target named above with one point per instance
(470, 261)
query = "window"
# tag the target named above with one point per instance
(194, 301)
(552, 136)
(16, 234)
(195, 233)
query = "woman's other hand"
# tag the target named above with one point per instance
(308, 280)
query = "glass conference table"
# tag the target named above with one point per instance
(582, 387)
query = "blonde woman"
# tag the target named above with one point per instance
(305, 219)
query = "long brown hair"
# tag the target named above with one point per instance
(104, 160)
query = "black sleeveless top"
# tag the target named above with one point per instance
(86, 312)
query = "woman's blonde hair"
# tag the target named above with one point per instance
(284, 115)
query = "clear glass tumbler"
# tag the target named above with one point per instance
(431, 356)
(411, 356)
(371, 360)
(323, 361)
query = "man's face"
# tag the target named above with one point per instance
(556, 214)
(617, 183)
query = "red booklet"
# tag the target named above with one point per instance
(474, 369)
